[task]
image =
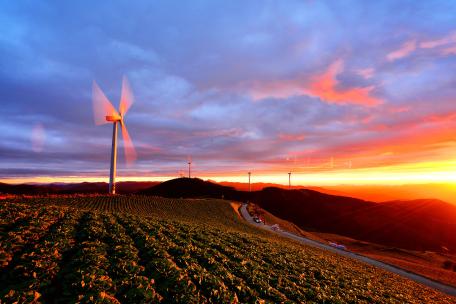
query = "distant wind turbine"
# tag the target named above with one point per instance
(104, 112)
(250, 188)
(189, 167)
(292, 168)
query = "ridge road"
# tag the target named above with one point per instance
(404, 273)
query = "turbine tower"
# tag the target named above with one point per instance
(250, 188)
(189, 167)
(104, 112)
(289, 180)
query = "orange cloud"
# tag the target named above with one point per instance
(427, 139)
(407, 48)
(441, 118)
(426, 142)
(323, 86)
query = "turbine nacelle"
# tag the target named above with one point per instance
(113, 118)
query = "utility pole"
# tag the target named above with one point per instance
(250, 188)
(289, 180)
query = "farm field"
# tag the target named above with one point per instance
(426, 263)
(437, 266)
(139, 249)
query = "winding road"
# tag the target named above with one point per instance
(409, 275)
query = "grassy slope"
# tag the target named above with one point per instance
(414, 225)
(199, 240)
(213, 211)
(425, 263)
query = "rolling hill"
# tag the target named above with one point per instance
(416, 225)
(191, 187)
(261, 186)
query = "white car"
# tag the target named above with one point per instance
(338, 246)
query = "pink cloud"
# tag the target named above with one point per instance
(291, 137)
(38, 137)
(449, 51)
(445, 46)
(406, 49)
(323, 86)
(366, 73)
(278, 89)
(430, 44)
(400, 109)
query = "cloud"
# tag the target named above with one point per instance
(199, 71)
(449, 50)
(430, 44)
(406, 49)
(366, 73)
(324, 86)
(291, 137)
(445, 46)
(38, 137)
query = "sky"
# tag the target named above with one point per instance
(336, 92)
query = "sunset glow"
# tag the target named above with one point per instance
(368, 97)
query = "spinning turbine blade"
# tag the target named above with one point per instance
(102, 107)
(130, 152)
(127, 98)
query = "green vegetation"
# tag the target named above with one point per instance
(138, 249)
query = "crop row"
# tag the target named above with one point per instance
(198, 210)
(22, 226)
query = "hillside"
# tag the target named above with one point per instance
(190, 187)
(415, 225)
(138, 254)
(261, 186)
(210, 211)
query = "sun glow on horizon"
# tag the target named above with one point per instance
(416, 173)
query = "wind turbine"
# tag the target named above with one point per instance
(189, 166)
(103, 113)
(289, 173)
